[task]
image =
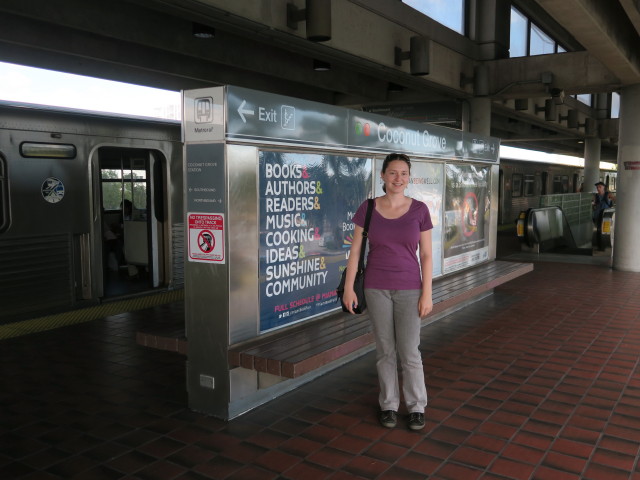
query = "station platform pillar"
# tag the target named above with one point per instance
(592, 147)
(480, 118)
(626, 254)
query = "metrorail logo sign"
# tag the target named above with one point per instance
(407, 139)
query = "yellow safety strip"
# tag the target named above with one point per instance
(72, 317)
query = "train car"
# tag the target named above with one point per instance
(522, 182)
(91, 208)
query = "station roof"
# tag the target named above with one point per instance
(258, 44)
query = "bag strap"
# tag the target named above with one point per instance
(365, 234)
(367, 219)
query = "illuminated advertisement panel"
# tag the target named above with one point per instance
(307, 201)
(466, 216)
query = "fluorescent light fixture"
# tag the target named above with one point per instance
(47, 150)
(320, 66)
(203, 31)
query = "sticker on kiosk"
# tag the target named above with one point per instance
(206, 237)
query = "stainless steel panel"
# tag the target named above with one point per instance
(35, 275)
(494, 187)
(207, 308)
(243, 235)
(31, 214)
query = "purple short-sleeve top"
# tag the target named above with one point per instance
(392, 262)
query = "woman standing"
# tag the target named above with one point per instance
(397, 288)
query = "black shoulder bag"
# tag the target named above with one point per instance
(358, 284)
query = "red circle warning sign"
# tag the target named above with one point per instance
(206, 237)
(206, 241)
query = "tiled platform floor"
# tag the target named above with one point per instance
(539, 381)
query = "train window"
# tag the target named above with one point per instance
(529, 186)
(47, 150)
(114, 188)
(4, 196)
(516, 185)
(538, 184)
(560, 184)
(125, 179)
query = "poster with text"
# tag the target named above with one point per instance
(466, 218)
(426, 185)
(307, 202)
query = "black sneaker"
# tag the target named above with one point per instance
(388, 418)
(416, 421)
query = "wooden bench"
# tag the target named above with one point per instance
(300, 349)
(297, 351)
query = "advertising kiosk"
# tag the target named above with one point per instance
(271, 185)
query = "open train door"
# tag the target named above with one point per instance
(128, 223)
(501, 200)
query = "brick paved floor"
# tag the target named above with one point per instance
(539, 381)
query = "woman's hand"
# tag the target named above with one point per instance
(350, 299)
(425, 305)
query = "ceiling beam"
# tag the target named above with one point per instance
(605, 30)
(523, 77)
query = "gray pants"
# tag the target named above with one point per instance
(396, 326)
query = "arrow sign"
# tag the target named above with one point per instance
(242, 111)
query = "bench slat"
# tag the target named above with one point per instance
(293, 370)
(307, 335)
(445, 289)
(280, 344)
(304, 348)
